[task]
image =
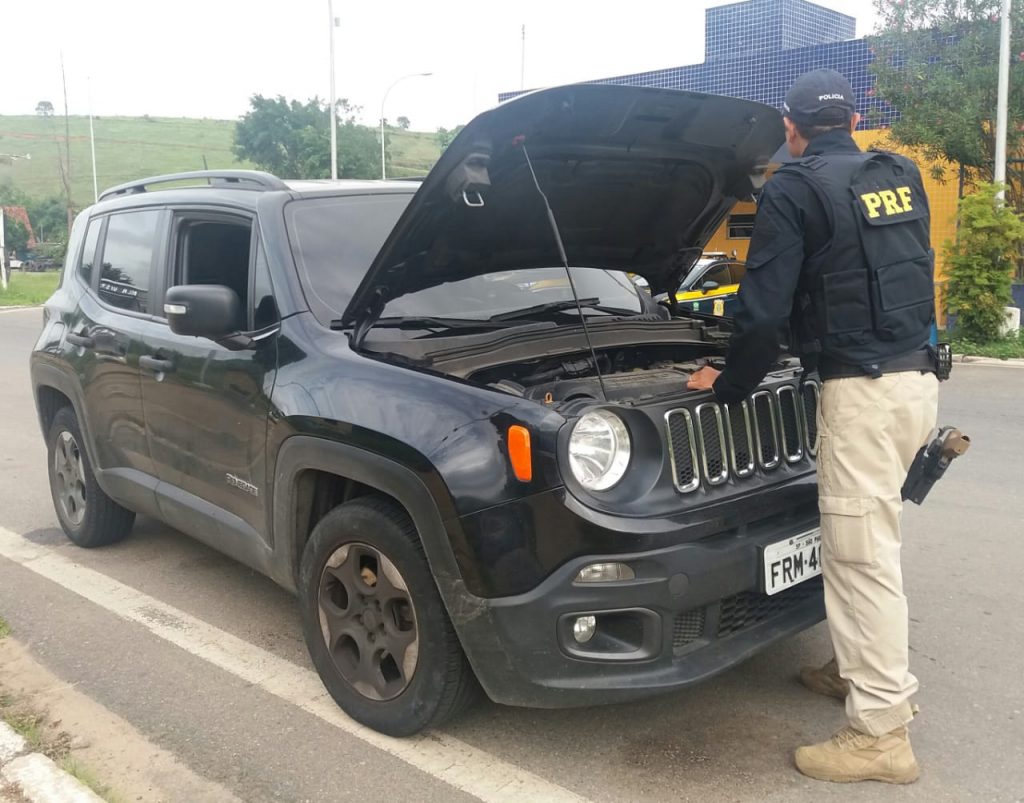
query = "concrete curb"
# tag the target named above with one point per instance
(1010, 362)
(35, 776)
(16, 309)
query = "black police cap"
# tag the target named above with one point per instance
(821, 97)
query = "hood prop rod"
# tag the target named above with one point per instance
(520, 141)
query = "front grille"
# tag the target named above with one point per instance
(738, 612)
(682, 450)
(789, 417)
(811, 395)
(688, 627)
(766, 429)
(714, 442)
(751, 608)
(741, 438)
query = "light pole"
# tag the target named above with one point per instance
(999, 174)
(334, 111)
(383, 168)
(92, 146)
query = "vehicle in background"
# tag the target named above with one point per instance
(712, 285)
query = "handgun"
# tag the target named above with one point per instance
(931, 462)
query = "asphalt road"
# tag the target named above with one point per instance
(205, 658)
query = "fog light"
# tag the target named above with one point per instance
(583, 628)
(605, 573)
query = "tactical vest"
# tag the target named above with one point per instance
(868, 295)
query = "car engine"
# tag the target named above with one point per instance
(629, 374)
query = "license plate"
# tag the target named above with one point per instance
(792, 561)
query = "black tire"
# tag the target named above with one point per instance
(365, 535)
(88, 516)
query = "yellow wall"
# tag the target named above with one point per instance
(942, 198)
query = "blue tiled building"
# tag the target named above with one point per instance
(755, 50)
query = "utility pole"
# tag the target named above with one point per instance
(65, 173)
(1004, 91)
(334, 109)
(522, 60)
(92, 148)
(3, 253)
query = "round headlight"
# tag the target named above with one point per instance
(599, 450)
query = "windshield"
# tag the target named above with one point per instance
(334, 240)
(490, 294)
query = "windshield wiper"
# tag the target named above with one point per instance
(558, 306)
(428, 322)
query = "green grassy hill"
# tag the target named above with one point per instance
(132, 147)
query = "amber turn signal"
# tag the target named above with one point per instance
(519, 452)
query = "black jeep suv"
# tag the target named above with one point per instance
(443, 413)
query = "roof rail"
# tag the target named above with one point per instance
(230, 179)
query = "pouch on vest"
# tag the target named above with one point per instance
(893, 224)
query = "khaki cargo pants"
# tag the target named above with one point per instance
(870, 430)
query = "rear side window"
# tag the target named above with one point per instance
(334, 240)
(128, 259)
(92, 237)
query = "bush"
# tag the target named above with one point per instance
(982, 263)
(1009, 347)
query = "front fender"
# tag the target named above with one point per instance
(469, 614)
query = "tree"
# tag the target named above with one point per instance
(49, 219)
(981, 263)
(936, 62)
(403, 123)
(293, 139)
(445, 137)
(44, 108)
(15, 235)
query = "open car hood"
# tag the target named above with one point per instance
(638, 180)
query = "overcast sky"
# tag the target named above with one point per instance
(201, 58)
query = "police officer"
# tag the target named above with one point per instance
(840, 270)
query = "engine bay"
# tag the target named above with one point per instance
(636, 359)
(629, 374)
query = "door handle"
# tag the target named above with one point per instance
(156, 365)
(84, 341)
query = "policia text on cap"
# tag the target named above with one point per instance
(840, 268)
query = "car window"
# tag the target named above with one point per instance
(335, 240)
(128, 259)
(507, 291)
(92, 237)
(719, 274)
(737, 270)
(213, 252)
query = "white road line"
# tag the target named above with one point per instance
(461, 765)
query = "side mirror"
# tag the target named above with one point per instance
(708, 286)
(204, 310)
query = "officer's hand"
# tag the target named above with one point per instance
(703, 379)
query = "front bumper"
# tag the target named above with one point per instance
(694, 610)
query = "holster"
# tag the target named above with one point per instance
(931, 462)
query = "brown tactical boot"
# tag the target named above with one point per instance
(854, 756)
(825, 680)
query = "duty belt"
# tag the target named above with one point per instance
(923, 361)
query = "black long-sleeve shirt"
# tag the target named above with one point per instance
(791, 225)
